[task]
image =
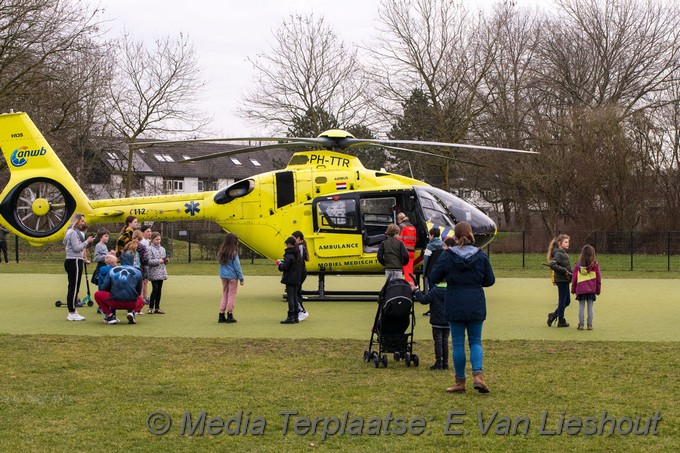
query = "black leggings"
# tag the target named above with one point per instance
(74, 270)
(441, 345)
(155, 298)
(291, 295)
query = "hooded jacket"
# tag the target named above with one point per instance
(74, 242)
(124, 282)
(435, 297)
(291, 268)
(586, 280)
(467, 271)
(561, 265)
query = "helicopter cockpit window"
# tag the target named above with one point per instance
(337, 214)
(458, 209)
(433, 211)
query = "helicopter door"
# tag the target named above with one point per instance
(336, 223)
(376, 215)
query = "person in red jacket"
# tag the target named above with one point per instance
(586, 283)
(408, 236)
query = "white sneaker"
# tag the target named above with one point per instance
(302, 315)
(131, 318)
(75, 317)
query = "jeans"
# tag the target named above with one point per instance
(581, 304)
(563, 298)
(474, 333)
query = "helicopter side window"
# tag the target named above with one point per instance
(234, 191)
(337, 215)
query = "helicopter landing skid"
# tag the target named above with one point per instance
(321, 295)
(332, 296)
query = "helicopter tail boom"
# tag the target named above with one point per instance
(41, 195)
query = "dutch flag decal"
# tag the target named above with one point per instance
(340, 186)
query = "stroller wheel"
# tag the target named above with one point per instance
(396, 356)
(384, 360)
(416, 360)
(407, 360)
(376, 361)
(367, 356)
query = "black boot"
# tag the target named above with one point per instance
(292, 317)
(551, 318)
(230, 318)
(221, 318)
(562, 323)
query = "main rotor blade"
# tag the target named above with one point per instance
(248, 149)
(281, 140)
(360, 142)
(427, 153)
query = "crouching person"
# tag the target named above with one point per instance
(121, 289)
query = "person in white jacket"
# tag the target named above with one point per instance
(158, 273)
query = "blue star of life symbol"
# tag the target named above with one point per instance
(192, 207)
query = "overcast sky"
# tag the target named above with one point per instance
(224, 34)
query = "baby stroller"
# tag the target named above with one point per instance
(394, 316)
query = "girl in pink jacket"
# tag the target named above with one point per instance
(586, 283)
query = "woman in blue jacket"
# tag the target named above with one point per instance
(466, 270)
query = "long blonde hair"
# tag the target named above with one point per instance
(75, 219)
(554, 244)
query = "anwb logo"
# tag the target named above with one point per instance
(20, 156)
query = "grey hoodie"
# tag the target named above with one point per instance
(75, 244)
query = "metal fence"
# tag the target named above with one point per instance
(619, 251)
(616, 250)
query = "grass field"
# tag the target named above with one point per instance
(92, 387)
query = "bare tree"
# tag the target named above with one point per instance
(618, 52)
(36, 34)
(155, 91)
(50, 64)
(307, 70)
(658, 132)
(439, 48)
(507, 119)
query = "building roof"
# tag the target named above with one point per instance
(164, 160)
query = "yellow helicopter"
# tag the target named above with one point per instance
(341, 207)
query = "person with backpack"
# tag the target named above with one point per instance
(561, 266)
(586, 283)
